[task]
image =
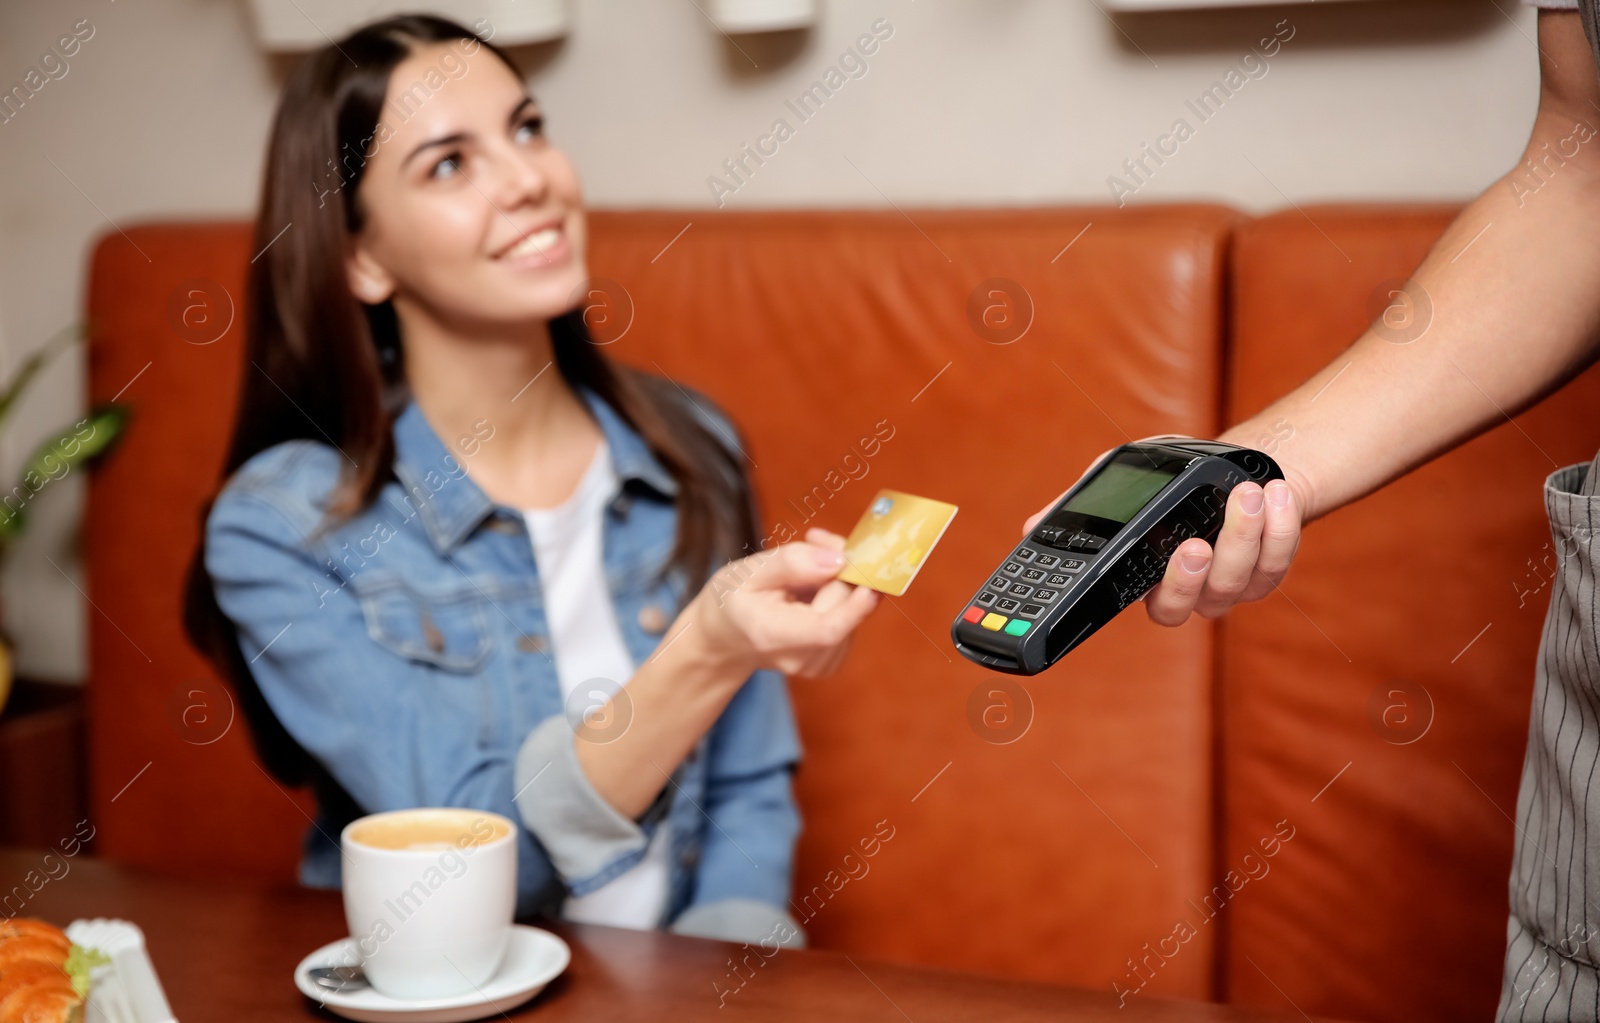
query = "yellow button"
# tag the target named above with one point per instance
(993, 622)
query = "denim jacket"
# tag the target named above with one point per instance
(407, 650)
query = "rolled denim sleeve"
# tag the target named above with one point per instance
(587, 839)
(746, 867)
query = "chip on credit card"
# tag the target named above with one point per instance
(893, 538)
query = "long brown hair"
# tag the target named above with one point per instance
(322, 366)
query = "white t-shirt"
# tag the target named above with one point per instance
(587, 645)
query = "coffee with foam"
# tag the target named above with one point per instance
(429, 895)
(429, 830)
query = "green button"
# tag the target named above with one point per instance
(1017, 627)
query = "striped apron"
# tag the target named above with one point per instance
(1553, 935)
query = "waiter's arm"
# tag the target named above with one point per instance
(1515, 290)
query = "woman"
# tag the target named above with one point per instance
(451, 530)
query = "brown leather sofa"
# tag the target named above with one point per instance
(1104, 824)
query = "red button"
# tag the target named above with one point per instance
(974, 614)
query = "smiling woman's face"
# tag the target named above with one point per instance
(470, 215)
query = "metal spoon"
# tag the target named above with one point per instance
(339, 979)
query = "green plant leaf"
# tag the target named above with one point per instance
(34, 363)
(57, 457)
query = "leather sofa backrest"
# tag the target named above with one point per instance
(1059, 855)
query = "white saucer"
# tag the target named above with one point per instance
(533, 959)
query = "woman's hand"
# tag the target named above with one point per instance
(782, 608)
(1260, 534)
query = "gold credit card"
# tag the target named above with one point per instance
(893, 538)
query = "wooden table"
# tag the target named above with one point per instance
(226, 949)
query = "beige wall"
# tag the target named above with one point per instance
(164, 110)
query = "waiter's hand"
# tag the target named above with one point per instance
(1259, 536)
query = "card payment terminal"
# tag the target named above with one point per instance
(1101, 547)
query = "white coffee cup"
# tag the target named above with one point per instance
(429, 895)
